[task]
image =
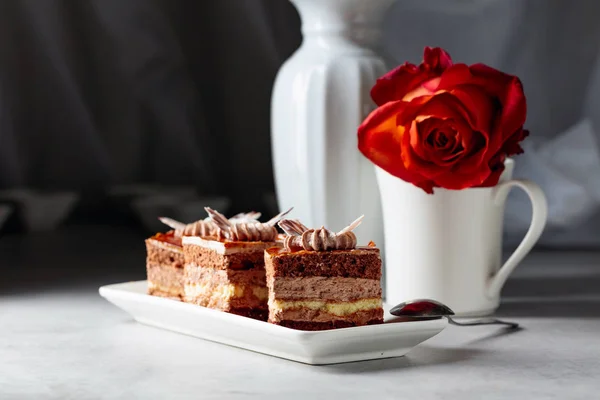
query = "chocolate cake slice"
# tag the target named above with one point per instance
(321, 280)
(226, 272)
(164, 254)
(164, 265)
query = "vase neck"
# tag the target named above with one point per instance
(357, 21)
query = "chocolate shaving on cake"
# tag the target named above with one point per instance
(249, 231)
(320, 239)
(292, 227)
(198, 228)
(204, 227)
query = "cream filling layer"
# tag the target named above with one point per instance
(166, 289)
(338, 309)
(254, 276)
(224, 291)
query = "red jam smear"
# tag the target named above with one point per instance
(168, 237)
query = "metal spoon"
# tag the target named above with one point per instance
(425, 308)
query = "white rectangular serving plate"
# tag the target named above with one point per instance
(391, 339)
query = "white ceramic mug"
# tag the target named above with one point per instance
(448, 246)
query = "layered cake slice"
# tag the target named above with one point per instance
(164, 254)
(164, 265)
(321, 280)
(226, 272)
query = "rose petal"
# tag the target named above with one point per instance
(509, 92)
(448, 156)
(420, 133)
(473, 143)
(442, 105)
(458, 74)
(426, 88)
(446, 159)
(465, 134)
(476, 153)
(506, 90)
(449, 105)
(474, 147)
(433, 128)
(436, 58)
(458, 178)
(380, 140)
(413, 162)
(457, 181)
(478, 104)
(416, 139)
(496, 167)
(397, 83)
(458, 142)
(512, 146)
(427, 160)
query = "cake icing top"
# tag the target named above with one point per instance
(205, 227)
(245, 230)
(321, 239)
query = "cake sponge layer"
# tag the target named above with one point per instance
(164, 268)
(225, 290)
(323, 288)
(209, 258)
(321, 326)
(165, 280)
(159, 252)
(324, 319)
(357, 263)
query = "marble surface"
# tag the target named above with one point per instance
(63, 341)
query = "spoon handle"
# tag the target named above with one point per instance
(484, 321)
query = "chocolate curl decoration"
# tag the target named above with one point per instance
(205, 227)
(299, 236)
(292, 227)
(200, 228)
(246, 231)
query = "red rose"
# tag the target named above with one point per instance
(445, 125)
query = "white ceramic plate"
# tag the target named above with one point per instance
(391, 339)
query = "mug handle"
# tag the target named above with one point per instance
(539, 215)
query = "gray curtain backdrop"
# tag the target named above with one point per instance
(102, 92)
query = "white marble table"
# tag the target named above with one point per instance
(68, 343)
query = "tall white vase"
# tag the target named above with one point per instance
(320, 97)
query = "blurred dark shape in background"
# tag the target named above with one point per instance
(139, 107)
(114, 112)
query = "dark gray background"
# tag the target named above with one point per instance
(103, 92)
